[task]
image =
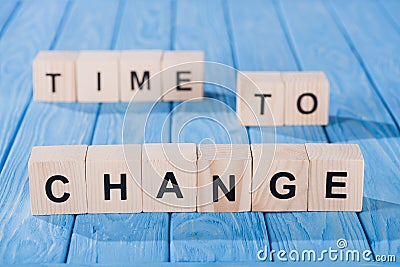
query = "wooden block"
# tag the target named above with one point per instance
(54, 76)
(113, 179)
(169, 177)
(306, 98)
(224, 178)
(98, 76)
(139, 75)
(280, 177)
(57, 180)
(182, 75)
(336, 177)
(260, 98)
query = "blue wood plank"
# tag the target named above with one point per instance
(376, 44)
(27, 238)
(357, 113)
(211, 236)
(129, 238)
(29, 31)
(8, 9)
(392, 8)
(258, 50)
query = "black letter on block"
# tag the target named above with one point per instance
(263, 96)
(98, 81)
(169, 176)
(108, 186)
(53, 80)
(146, 76)
(330, 184)
(230, 195)
(179, 80)
(291, 188)
(49, 193)
(315, 100)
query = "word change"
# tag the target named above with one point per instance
(186, 178)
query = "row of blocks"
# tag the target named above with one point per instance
(263, 98)
(186, 178)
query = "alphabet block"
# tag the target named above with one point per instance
(224, 178)
(54, 76)
(57, 180)
(260, 98)
(98, 76)
(169, 177)
(336, 177)
(139, 75)
(113, 179)
(280, 177)
(307, 98)
(183, 75)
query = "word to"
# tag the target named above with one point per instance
(186, 178)
(264, 98)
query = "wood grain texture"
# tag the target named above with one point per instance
(180, 160)
(346, 164)
(306, 98)
(68, 162)
(232, 237)
(375, 45)
(374, 42)
(266, 48)
(8, 9)
(364, 121)
(46, 124)
(121, 170)
(292, 162)
(60, 88)
(147, 238)
(260, 98)
(224, 161)
(207, 122)
(183, 75)
(32, 28)
(97, 76)
(140, 62)
(15, 84)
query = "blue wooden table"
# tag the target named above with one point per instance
(357, 44)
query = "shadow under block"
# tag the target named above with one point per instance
(169, 177)
(224, 178)
(260, 98)
(113, 183)
(306, 98)
(98, 76)
(54, 76)
(182, 75)
(57, 180)
(140, 75)
(280, 177)
(336, 177)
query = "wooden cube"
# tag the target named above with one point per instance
(182, 75)
(98, 76)
(260, 98)
(57, 180)
(54, 76)
(306, 98)
(336, 177)
(280, 177)
(113, 179)
(140, 79)
(169, 177)
(224, 178)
